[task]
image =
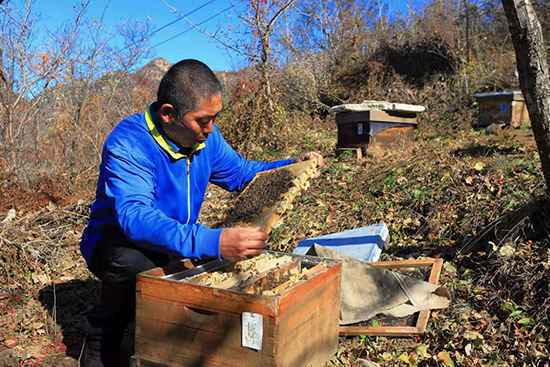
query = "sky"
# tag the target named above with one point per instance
(191, 44)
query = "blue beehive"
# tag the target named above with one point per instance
(364, 243)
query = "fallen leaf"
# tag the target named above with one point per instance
(507, 251)
(472, 335)
(422, 350)
(330, 216)
(525, 321)
(39, 278)
(364, 363)
(404, 357)
(10, 216)
(10, 343)
(445, 358)
(479, 166)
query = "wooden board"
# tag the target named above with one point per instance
(423, 316)
(350, 135)
(502, 111)
(373, 105)
(376, 116)
(309, 325)
(393, 137)
(354, 128)
(520, 115)
(259, 283)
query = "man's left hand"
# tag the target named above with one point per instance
(313, 156)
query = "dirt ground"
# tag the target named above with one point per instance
(470, 198)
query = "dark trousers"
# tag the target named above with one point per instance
(116, 265)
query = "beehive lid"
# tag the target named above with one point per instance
(378, 105)
(514, 95)
(364, 243)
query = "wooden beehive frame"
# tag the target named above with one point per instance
(255, 283)
(314, 266)
(423, 316)
(270, 217)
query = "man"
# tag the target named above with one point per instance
(154, 172)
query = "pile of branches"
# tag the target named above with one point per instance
(517, 267)
(419, 61)
(40, 246)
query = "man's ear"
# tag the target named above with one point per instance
(167, 113)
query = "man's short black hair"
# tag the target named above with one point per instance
(186, 84)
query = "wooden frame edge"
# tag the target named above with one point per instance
(423, 316)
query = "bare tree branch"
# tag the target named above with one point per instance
(214, 36)
(278, 13)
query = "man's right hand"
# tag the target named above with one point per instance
(239, 243)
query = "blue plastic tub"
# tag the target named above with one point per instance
(364, 243)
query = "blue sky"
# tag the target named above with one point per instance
(192, 44)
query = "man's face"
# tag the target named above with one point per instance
(199, 122)
(195, 125)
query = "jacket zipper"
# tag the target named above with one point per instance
(187, 171)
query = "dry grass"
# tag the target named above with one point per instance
(458, 196)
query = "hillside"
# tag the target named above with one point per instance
(474, 198)
(469, 198)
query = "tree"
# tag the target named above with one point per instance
(60, 88)
(534, 78)
(261, 18)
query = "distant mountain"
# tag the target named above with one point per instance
(154, 69)
(151, 74)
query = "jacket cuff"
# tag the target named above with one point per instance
(283, 162)
(209, 242)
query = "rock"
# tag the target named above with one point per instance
(51, 206)
(10, 216)
(10, 343)
(59, 360)
(494, 129)
(365, 363)
(8, 358)
(507, 251)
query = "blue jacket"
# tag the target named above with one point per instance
(149, 192)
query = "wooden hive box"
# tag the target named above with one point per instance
(179, 323)
(359, 125)
(502, 108)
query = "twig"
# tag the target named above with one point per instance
(54, 312)
(82, 349)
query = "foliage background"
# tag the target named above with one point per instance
(457, 193)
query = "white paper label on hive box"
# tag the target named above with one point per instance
(252, 330)
(360, 128)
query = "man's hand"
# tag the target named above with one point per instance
(313, 156)
(239, 243)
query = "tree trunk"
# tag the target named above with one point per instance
(265, 68)
(533, 73)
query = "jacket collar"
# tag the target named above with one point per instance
(164, 143)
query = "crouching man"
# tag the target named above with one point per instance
(154, 172)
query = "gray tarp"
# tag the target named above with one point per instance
(368, 291)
